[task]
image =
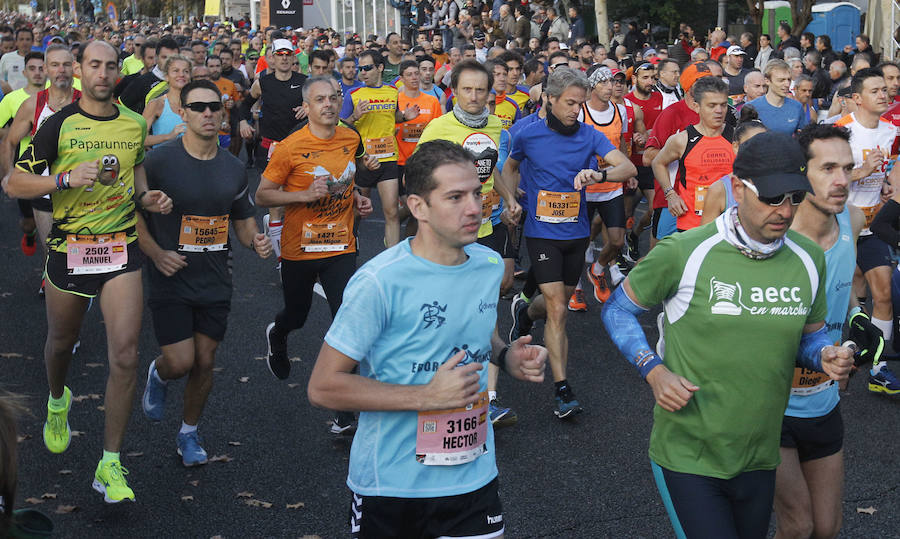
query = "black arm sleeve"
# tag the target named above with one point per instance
(886, 223)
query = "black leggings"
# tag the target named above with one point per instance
(701, 506)
(298, 278)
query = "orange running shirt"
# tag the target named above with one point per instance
(408, 133)
(324, 228)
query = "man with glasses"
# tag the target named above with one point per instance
(133, 63)
(668, 72)
(282, 105)
(190, 278)
(762, 286)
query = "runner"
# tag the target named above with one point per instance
(231, 98)
(427, 106)
(190, 278)
(809, 481)
(549, 154)
(471, 125)
(94, 151)
(134, 96)
(703, 152)
(282, 105)
(9, 107)
(605, 200)
(403, 325)
(776, 109)
(871, 138)
(426, 83)
(671, 121)
(716, 476)
(312, 173)
(12, 64)
(645, 97)
(515, 65)
(165, 123)
(669, 72)
(504, 107)
(372, 110)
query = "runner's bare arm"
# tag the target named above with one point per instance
(23, 184)
(270, 195)
(167, 262)
(248, 234)
(510, 175)
(522, 360)
(19, 129)
(670, 152)
(714, 204)
(334, 386)
(152, 200)
(508, 193)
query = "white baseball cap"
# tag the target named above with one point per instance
(282, 44)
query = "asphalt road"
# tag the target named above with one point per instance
(586, 478)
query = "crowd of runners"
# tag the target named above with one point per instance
(743, 182)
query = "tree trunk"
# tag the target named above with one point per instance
(754, 9)
(600, 13)
(800, 17)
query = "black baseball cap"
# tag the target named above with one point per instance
(775, 163)
(478, 35)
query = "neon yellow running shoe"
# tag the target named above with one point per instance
(56, 429)
(109, 480)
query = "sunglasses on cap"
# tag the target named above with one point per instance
(365, 68)
(796, 197)
(200, 106)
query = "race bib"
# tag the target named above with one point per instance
(328, 237)
(380, 147)
(451, 437)
(553, 207)
(870, 212)
(100, 253)
(412, 132)
(199, 233)
(700, 198)
(489, 201)
(807, 382)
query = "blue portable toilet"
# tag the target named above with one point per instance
(838, 20)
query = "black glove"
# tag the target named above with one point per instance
(867, 337)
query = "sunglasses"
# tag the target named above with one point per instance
(795, 196)
(283, 53)
(366, 68)
(200, 106)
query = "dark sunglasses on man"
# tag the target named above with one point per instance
(201, 106)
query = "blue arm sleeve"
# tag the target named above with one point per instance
(620, 319)
(811, 344)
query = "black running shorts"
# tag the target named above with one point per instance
(89, 285)
(371, 178)
(176, 321)
(814, 437)
(557, 260)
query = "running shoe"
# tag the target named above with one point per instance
(277, 359)
(615, 274)
(576, 302)
(154, 401)
(884, 382)
(601, 289)
(190, 450)
(521, 323)
(57, 434)
(109, 480)
(344, 423)
(566, 404)
(500, 415)
(29, 246)
(632, 251)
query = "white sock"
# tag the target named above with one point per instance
(275, 236)
(887, 329)
(492, 395)
(579, 286)
(589, 254)
(187, 429)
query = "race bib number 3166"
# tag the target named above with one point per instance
(451, 437)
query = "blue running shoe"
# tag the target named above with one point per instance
(566, 404)
(884, 382)
(500, 415)
(192, 454)
(154, 401)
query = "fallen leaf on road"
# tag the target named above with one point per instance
(866, 510)
(5, 294)
(245, 494)
(48, 496)
(93, 365)
(292, 386)
(135, 454)
(65, 472)
(94, 396)
(187, 498)
(77, 433)
(218, 369)
(297, 505)
(295, 359)
(34, 501)
(9, 355)
(101, 408)
(258, 503)
(22, 438)
(195, 482)
(65, 509)
(80, 398)
(244, 379)
(260, 358)
(220, 458)
(234, 443)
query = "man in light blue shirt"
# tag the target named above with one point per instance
(420, 322)
(776, 110)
